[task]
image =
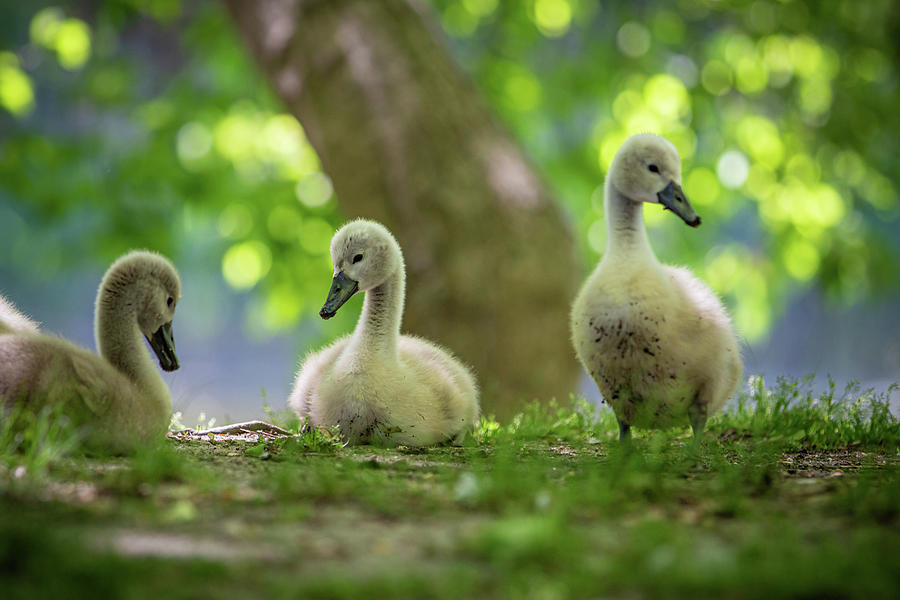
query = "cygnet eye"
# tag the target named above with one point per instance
(357, 258)
(653, 168)
(170, 301)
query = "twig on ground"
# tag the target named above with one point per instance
(247, 427)
(250, 431)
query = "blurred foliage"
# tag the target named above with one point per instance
(126, 123)
(782, 112)
(131, 124)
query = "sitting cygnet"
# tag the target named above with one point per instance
(379, 386)
(118, 397)
(655, 339)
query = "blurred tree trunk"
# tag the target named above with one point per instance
(407, 141)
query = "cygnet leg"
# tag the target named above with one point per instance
(697, 414)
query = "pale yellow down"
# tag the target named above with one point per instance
(379, 386)
(655, 339)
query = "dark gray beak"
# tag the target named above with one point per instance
(672, 198)
(342, 287)
(163, 343)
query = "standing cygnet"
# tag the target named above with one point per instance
(11, 320)
(375, 384)
(119, 396)
(655, 339)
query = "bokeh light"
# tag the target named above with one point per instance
(523, 92)
(801, 258)
(480, 8)
(16, 91)
(684, 69)
(633, 39)
(73, 43)
(667, 97)
(194, 141)
(733, 169)
(716, 77)
(244, 264)
(760, 138)
(552, 17)
(314, 189)
(70, 38)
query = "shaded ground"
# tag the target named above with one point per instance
(542, 520)
(548, 507)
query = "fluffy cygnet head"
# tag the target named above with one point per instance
(647, 168)
(365, 255)
(146, 285)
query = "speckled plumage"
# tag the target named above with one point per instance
(655, 339)
(118, 397)
(379, 386)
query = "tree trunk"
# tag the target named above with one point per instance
(407, 141)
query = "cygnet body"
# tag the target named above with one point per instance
(655, 339)
(376, 385)
(12, 320)
(118, 397)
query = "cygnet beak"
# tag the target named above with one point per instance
(672, 198)
(342, 287)
(163, 344)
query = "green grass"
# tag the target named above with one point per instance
(793, 415)
(791, 494)
(30, 442)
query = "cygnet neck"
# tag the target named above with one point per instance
(626, 236)
(378, 328)
(119, 339)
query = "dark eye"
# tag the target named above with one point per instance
(357, 258)
(170, 301)
(653, 168)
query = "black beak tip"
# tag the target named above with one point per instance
(695, 223)
(326, 314)
(163, 346)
